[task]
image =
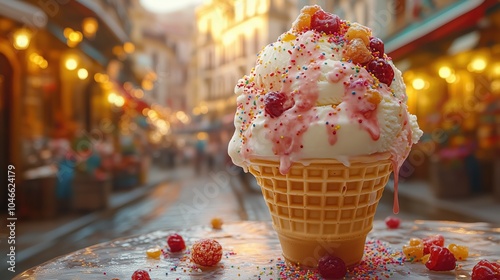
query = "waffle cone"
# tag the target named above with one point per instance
(323, 207)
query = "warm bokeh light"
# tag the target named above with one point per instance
(89, 26)
(38, 60)
(477, 65)
(22, 38)
(119, 101)
(147, 84)
(451, 79)
(82, 73)
(202, 136)
(138, 93)
(445, 72)
(112, 97)
(418, 84)
(73, 37)
(101, 78)
(71, 63)
(128, 47)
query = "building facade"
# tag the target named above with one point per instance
(229, 34)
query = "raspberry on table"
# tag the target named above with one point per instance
(392, 222)
(176, 243)
(140, 275)
(206, 252)
(441, 259)
(486, 270)
(434, 240)
(331, 267)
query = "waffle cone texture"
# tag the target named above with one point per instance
(323, 207)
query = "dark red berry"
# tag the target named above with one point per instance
(377, 47)
(275, 103)
(392, 222)
(176, 243)
(441, 259)
(325, 22)
(382, 70)
(434, 240)
(485, 270)
(331, 267)
(140, 275)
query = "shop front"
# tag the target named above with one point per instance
(452, 74)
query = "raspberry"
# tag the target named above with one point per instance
(441, 259)
(176, 243)
(392, 222)
(140, 275)
(377, 47)
(381, 70)
(485, 270)
(275, 103)
(331, 267)
(434, 240)
(206, 252)
(322, 21)
(460, 252)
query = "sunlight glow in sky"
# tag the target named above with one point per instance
(165, 6)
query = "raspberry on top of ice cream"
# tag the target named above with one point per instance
(324, 90)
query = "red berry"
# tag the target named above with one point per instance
(140, 275)
(331, 267)
(382, 70)
(392, 222)
(206, 252)
(377, 47)
(176, 243)
(434, 240)
(325, 22)
(485, 270)
(275, 103)
(441, 259)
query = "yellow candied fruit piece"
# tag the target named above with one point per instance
(373, 96)
(415, 250)
(416, 241)
(303, 21)
(216, 223)
(153, 253)
(425, 258)
(357, 30)
(357, 51)
(460, 252)
(289, 37)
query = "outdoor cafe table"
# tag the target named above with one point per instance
(251, 250)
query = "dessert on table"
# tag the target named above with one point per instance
(322, 122)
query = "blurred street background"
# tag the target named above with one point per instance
(116, 114)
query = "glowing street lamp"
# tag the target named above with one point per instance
(22, 39)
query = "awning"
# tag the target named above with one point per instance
(113, 25)
(28, 14)
(458, 16)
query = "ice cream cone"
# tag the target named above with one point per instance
(323, 207)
